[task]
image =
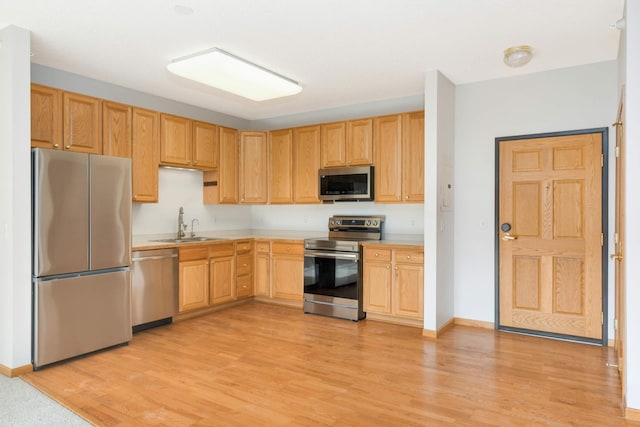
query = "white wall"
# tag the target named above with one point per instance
(631, 62)
(567, 99)
(400, 219)
(184, 188)
(15, 199)
(439, 186)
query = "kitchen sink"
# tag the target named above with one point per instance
(186, 239)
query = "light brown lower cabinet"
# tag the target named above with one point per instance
(193, 278)
(244, 269)
(227, 271)
(262, 269)
(222, 275)
(394, 281)
(287, 270)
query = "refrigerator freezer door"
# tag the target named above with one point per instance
(80, 314)
(110, 229)
(60, 214)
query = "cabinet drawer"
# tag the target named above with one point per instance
(243, 264)
(243, 246)
(243, 286)
(189, 254)
(409, 257)
(222, 249)
(287, 248)
(262, 247)
(376, 254)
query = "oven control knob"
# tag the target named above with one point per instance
(332, 222)
(375, 222)
(339, 221)
(367, 222)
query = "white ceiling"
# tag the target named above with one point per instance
(343, 52)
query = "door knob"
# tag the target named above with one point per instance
(506, 227)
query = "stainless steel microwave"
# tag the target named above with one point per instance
(346, 184)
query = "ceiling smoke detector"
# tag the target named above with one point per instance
(517, 56)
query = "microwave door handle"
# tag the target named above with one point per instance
(331, 255)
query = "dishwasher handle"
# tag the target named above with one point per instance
(154, 257)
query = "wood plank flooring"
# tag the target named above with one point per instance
(258, 364)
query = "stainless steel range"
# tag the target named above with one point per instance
(333, 267)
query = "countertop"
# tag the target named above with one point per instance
(146, 241)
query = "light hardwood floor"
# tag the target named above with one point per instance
(257, 364)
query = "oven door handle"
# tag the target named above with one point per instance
(331, 255)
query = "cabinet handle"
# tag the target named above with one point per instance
(396, 268)
(195, 162)
(56, 145)
(406, 197)
(397, 197)
(376, 254)
(388, 266)
(68, 146)
(408, 256)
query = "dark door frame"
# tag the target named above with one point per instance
(605, 220)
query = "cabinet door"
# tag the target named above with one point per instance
(228, 168)
(360, 142)
(46, 117)
(388, 158)
(145, 155)
(262, 277)
(377, 287)
(413, 158)
(222, 284)
(205, 145)
(193, 285)
(253, 167)
(116, 129)
(287, 276)
(281, 166)
(306, 162)
(333, 144)
(82, 123)
(175, 140)
(408, 290)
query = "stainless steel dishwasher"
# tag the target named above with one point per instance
(154, 287)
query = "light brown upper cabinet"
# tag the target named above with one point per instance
(399, 158)
(360, 142)
(46, 117)
(145, 154)
(413, 156)
(347, 143)
(228, 168)
(205, 145)
(280, 166)
(253, 167)
(306, 162)
(175, 140)
(116, 129)
(333, 144)
(82, 129)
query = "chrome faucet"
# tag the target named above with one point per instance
(182, 227)
(193, 232)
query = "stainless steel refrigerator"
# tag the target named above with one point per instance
(81, 247)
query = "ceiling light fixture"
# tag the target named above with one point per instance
(517, 56)
(223, 70)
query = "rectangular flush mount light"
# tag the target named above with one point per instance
(222, 70)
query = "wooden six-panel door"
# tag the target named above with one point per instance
(551, 235)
